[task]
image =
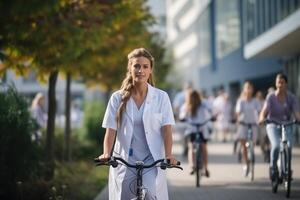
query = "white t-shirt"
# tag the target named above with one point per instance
(201, 115)
(248, 110)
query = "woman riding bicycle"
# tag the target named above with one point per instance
(281, 106)
(139, 119)
(247, 110)
(194, 111)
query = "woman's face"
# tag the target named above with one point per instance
(248, 89)
(280, 83)
(140, 69)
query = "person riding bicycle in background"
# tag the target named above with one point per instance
(247, 110)
(281, 106)
(223, 107)
(177, 103)
(194, 111)
(139, 119)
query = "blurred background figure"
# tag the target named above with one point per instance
(223, 108)
(177, 103)
(76, 115)
(194, 111)
(262, 138)
(247, 111)
(271, 90)
(180, 98)
(39, 115)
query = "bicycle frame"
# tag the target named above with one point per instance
(250, 146)
(197, 149)
(285, 157)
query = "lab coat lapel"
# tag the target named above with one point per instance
(149, 98)
(129, 109)
(148, 103)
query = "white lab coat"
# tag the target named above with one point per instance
(157, 113)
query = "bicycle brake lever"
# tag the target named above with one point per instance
(163, 165)
(113, 162)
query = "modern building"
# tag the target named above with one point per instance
(225, 42)
(158, 10)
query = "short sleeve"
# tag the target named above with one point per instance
(168, 116)
(183, 112)
(110, 117)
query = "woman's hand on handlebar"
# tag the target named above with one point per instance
(172, 160)
(104, 157)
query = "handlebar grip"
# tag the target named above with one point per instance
(99, 162)
(168, 162)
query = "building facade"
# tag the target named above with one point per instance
(217, 43)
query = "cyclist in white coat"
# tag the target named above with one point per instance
(140, 118)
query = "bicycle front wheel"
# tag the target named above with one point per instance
(287, 176)
(198, 166)
(251, 157)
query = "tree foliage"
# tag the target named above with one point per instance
(19, 156)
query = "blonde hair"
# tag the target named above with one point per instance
(36, 100)
(193, 101)
(128, 83)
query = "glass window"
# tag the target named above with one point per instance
(204, 38)
(251, 16)
(227, 27)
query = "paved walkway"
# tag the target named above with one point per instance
(226, 181)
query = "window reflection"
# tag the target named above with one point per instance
(204, 39)
(227, 27)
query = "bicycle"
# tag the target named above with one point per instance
(285, 159)
(141, 191)
(197, 149)
(250, 147)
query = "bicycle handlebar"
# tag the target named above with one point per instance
(113, 161)
(203, 123)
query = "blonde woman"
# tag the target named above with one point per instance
(140, 118)
(38, 113)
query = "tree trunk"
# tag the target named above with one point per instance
(67, 151)
(51, 126)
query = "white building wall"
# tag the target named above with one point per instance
(183, 38)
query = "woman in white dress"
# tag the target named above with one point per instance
(140, 117)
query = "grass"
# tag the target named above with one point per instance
(79, 180)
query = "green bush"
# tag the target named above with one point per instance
(93, 116)
(19, 156)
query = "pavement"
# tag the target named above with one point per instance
(226, 181)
